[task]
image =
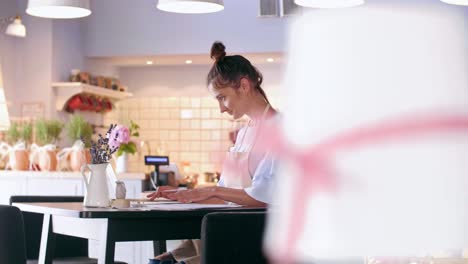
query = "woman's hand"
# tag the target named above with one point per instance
(207, 195)
(161, 192)
(191, 196)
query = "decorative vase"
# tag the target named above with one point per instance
(121, 163)
(19, 160)
(78, 158)
(17, 156)
(74, 157)
(97, 191)
(43, 158)
(47, 160)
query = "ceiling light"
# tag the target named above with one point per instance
(58, 8)
(190, 6)
(188, 62)
(16, 28)
(270, 60)
(456, 2)
(149, 62)
(329, 3)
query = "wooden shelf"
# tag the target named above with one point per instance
(65, 90)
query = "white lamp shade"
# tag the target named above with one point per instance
(329, 3)
(4, 117)
(456, 2)
(59, 8)
(190, 6)
(16, 28)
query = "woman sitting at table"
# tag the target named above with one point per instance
(247, 173)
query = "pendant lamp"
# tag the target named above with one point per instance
(15, 28)
(329, 3)
(59, 8)
(456, 2)
(190, 6)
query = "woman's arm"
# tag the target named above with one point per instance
(215, 195)
(238, 196)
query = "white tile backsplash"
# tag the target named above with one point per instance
(165, 125)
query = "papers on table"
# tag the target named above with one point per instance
(175, 206)
(140, 202)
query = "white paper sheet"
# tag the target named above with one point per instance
(183, 206)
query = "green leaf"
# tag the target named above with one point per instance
(48, 131)
(26, 133)
(130, 148)
(13, 133)
(78, 128)
(119, 152)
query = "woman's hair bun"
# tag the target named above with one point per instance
(218, 51)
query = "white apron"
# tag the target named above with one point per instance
(236, 173)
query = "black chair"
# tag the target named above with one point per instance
(233, 237)
(67, 249)
(12, 243)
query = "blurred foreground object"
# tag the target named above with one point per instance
(378, 103)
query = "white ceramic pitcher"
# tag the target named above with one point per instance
(97, 192)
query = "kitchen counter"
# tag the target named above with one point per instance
(57, 183)
(65, 175)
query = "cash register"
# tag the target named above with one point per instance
(157, 178)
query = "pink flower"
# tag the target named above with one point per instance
(113, 144)
(119, 135)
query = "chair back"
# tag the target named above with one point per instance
(12, 243)
(66, 246)
(233, 237)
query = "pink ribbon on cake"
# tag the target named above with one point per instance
(315, 169)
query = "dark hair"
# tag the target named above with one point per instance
(227, 71)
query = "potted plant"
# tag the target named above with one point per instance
(120, 137)
(13, 133)
(80, 132)
(26, 133)
(18, 136)
(47, 134)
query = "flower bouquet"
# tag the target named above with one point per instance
(97, 190)
(119, 139)
(102, 150)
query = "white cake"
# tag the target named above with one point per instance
(354, 68)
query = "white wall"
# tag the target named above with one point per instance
(50, 50)
(186, 80)
(33, 63)
(8, 52)
(67, 48)
(122, 28)
(99, 66)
